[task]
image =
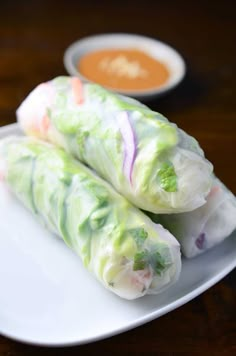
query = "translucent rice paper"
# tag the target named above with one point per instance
(207, 226)
(123, 248)
(157, 166)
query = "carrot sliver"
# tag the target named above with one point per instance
(45, 123)
(214, 190)
(77, 87)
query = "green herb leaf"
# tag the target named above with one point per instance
(140, 260)
(158, 263)
(139, 235)
(167, 177)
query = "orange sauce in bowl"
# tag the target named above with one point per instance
(123, 69)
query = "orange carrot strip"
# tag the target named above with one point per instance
(213, 191)
(77, 90)
(45, 123)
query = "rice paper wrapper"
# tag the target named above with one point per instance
(201, 229)
(129, 254)
(150, 161)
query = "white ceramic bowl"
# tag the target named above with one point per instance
(156, 49)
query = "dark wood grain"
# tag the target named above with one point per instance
(33, 37)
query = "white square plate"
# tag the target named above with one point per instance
(48, 298)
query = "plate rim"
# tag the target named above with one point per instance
(134, 324)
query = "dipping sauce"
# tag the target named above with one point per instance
(124, 69)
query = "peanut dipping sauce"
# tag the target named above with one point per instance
(126, 69)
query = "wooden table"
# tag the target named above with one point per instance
(33, 37)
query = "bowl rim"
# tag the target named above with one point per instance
(72, 70)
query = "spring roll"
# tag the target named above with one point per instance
(151, 162)
(201, 229)
(122, 247)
